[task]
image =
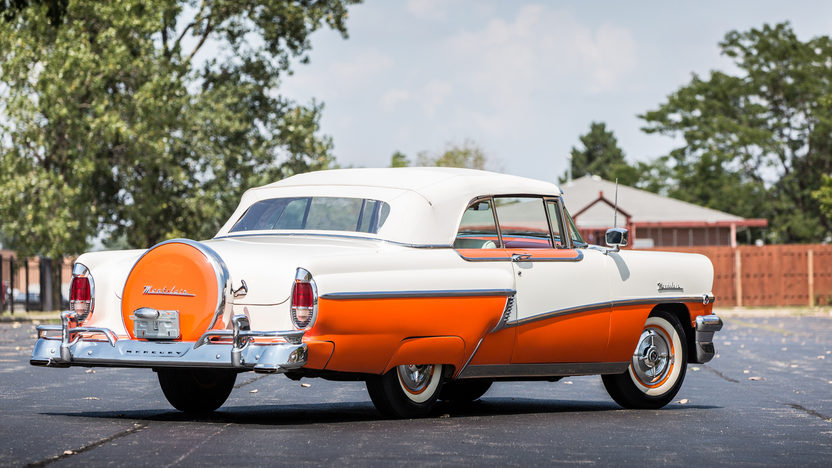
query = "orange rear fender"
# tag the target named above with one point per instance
(429, 350)
(368, 333)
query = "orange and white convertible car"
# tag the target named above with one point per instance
(427, 283)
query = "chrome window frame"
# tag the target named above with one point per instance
(566, 242)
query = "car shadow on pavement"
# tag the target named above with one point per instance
(326, 413)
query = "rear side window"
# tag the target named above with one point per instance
(478, 229)
(314, 213)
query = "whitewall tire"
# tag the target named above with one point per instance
(406, 391)
(657, 368)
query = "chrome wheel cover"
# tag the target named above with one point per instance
(415, 378)
(653, 358)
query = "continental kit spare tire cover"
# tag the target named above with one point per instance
(182, 275)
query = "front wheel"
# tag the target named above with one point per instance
(196, 391)
(657, 368)
(407, 391)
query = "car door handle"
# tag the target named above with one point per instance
(521, 257)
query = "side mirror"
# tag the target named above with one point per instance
(617, 237)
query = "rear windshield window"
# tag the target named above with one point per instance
(315, 213)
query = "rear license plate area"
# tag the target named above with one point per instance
(164, 327)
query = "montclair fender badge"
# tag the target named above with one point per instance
(671, 286)
(172, 291)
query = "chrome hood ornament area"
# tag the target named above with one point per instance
(172, 291)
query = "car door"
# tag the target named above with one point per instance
(562, 299)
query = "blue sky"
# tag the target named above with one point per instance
(521, 79)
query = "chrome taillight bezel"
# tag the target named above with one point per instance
(79, 270)
(303, 276)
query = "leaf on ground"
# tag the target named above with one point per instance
(92, 398)
(90, 371)
(695, 369)
(683, 401)
(254, 391)
(755, 378)
(305, 385)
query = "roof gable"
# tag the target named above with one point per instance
(641, 205)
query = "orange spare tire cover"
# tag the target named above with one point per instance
(181, 275)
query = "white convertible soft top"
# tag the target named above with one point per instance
(426, 203)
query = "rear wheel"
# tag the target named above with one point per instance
(407, 391)
(463, 391)
(196, 391)
(657, 368)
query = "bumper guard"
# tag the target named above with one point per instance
(102, 347)
(706, 326)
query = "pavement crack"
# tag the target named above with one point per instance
(720, 374)
(251, 381)
(197, 446)
(85, 448)
(809, 411)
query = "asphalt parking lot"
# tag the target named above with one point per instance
(765, 400)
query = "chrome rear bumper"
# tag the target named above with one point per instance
(101, 347)
(706, 326)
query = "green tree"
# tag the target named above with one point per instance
(399, 159)
(469, 155)
(823, 195)
(756, 142)
(601, 156)
(144, 120)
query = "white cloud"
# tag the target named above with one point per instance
(607, 55)
(510, 62)
(429, 97)
(392, 98)
(360, 69)
(429, 9)
(433, 95)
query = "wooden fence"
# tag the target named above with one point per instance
(772, 275)
(24, 282)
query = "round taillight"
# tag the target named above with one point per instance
(80, 296)
(304, 300)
